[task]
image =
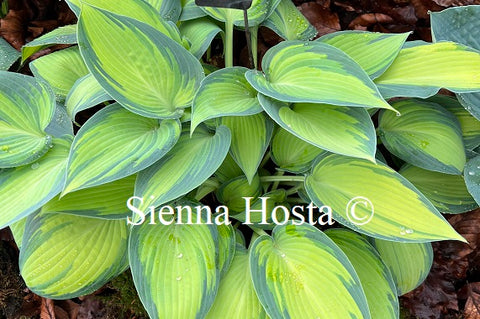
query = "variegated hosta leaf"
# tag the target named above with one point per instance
(375, 200)
(289, 23)
(61, 124)
(85, 93)
(472, 177)
(106, 201)
(115, 143)
(62, 35)
(471, 102)
(258, 211)
(65, 256)
(236, 297)
(9, 55)
(26, 108)
(175, 268)
(228, 170)
(150, 74)
(420, 71)
(457, 24)
(18, 228)
(74, 6)
(339, 129)
(470, 125)
(314, 72)
(291, 269)
(250, 139)
(462, 23)
(426, 135)
(232, 192)
(190, 10)
(170, 10)
(26, 188)
(61, 69)
(376, 279)
(256, 13)
(373, 51)
(226, 247)
(225, 92)
(137, 9)
(291, 153)
(409, 263)
(447, 192)
(199, 33)
(200, 155)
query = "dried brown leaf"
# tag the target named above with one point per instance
(322, 19)
(449, 3)
(365, 20)
(472, 306)
(47, 309)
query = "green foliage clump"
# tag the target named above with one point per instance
(162, 179)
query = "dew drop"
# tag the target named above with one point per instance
(424, 144)
(409, 231)
(179, 255)
(48, 140)
(35, 165)
(402, 231)
(152, 197)
(179, 278)
(282, 255)
(471, 173)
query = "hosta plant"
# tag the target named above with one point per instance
(216, 186)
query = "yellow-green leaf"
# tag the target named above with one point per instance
(289, 23)
(373, 51)
(232, 192)
(375, 276)
(297, 265)
(25, 189)
(250, 139)
(149, 74)
(200, 33)
(115, 143)
(314, 72)
(338, 129)
(236, 297)
(200, 155)
(107, 201)
(65, 256)
(85, 93)
(375, 200)
(62, 35)
(447, 192)
(409, 263)
(26, 108)
(225, 92)
(61, 69)
(175, 268)
(426, 135)
(420, 71)
(291, 153)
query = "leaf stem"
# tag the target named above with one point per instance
(254, 38)
(276, 183)
(293, 190)
(289, 178)
(229, 42)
